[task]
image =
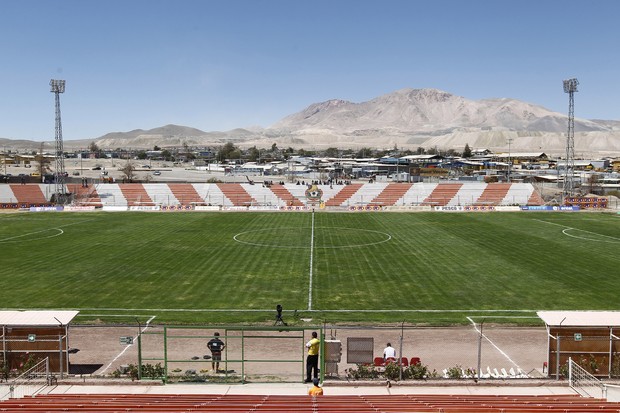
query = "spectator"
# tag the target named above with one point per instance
(312, 361)
(389, 352)
(315, 390)
(216, 346)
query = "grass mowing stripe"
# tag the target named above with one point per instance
(433, 264)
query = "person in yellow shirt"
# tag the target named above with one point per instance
(312, 361)
(315, 390)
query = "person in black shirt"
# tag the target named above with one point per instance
(216, 346)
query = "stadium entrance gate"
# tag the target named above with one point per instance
(179, 354)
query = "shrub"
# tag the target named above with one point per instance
(455, 372)
(417, 372)
(392, 371)
(149, 371)
(615, 365)
(362, 372)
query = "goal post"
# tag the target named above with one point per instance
(251, 353)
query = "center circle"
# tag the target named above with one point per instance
(324, 237)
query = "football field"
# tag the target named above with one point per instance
(235, 267)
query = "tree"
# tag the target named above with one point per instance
(156, 148)
(467, 151)
(128, 172)
(43, 162)
(166, 155)
(332, 152)
(187, 153)
(253, 154)
(141, 155)
(93, 147)
(228, 151)
(593, 186)
(364, 153)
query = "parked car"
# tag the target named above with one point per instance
(157, 173)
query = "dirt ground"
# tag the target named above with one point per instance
(280, 355)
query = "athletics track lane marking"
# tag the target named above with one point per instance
(128, 345)
(494, 345)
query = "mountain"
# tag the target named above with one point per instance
(434, 118)
(406, 118)
(168, 136)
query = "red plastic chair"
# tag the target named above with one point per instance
(414, 361)
(390, 360)
(379, 362)
(404, 362)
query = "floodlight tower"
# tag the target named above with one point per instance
(570, 87)
(58, 87)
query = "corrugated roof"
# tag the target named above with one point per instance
(36, 318)
(580, 318)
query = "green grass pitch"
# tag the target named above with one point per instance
(434, 268)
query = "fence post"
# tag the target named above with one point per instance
(570, 372)
(557, 359)
(480, 349)
(60, 356)
(400, 352)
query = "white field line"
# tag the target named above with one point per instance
(60, 232)
(45, 230)
(567, 228)
(127, 346)
(311, 264)
(493, 344)
(245, 310)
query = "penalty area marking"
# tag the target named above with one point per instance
(57, 234)
(565, 231)
(15, 238)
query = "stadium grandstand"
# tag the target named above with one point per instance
(279, 195)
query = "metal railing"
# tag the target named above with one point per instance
(29, 383)
(583, 382)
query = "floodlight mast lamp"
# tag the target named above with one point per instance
(570, 87)
(57, 87)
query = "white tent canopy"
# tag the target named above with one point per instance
(580, 318)
(36, 318)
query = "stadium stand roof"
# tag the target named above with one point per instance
(36, 318)
(580, 318)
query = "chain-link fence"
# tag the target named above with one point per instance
(266, 354)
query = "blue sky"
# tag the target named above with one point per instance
(218, 65)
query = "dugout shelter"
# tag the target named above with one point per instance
(36, 335)
(590, 338)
